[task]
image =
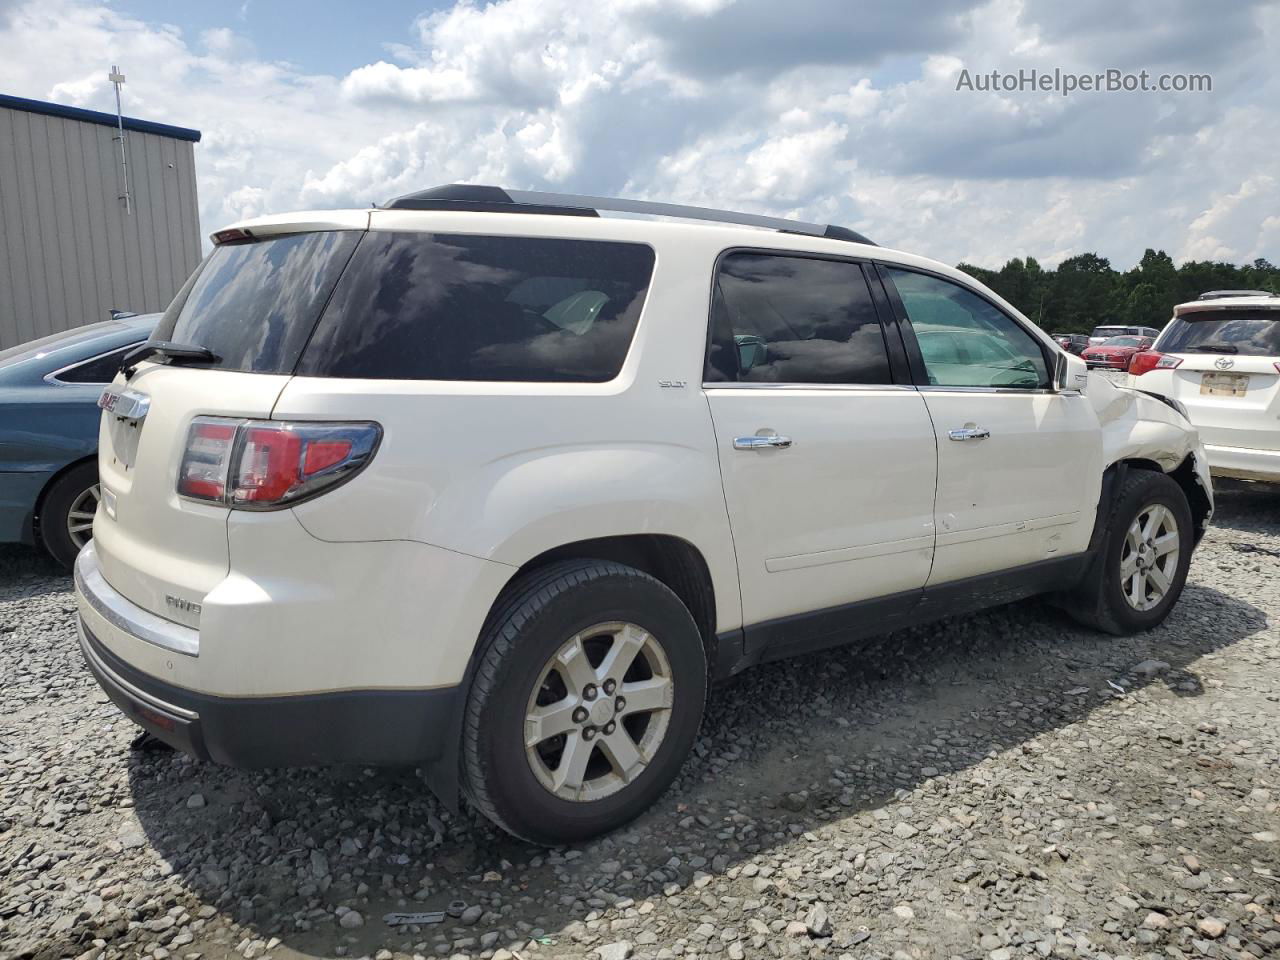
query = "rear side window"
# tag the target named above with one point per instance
(416, 306)
(789, 319)
(1247, 333)
(255, 304)
(101, 369)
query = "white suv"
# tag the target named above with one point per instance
(486, 483)
(1220, 359)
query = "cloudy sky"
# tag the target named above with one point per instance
(821, 109)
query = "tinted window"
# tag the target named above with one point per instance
(1249, 333)
(100, 370)
(785, 319)
(965, 340)
(417, 306)
(255, 304)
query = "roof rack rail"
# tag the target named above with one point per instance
(1223, 294)
(482, 199)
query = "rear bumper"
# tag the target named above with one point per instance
(1242, 463)
(378, 727)
(391, 727)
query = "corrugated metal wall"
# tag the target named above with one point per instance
(68, 251)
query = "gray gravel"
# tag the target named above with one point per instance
(998, 786)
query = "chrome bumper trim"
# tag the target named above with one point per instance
(117, 610)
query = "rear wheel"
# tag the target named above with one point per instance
(1142, 566)
(586, 701)
(66, 516)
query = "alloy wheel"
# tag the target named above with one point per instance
(599, 711)
(1149, 559)
(80, 515)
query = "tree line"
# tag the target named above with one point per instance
(1086, 291)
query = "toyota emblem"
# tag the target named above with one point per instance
(1224, 363)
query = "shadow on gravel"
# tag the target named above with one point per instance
(786, 748)
(26, 571)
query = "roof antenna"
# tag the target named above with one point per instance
(117, 80)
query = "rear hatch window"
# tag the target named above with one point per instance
(418, 306)
(1246, 333)
(255, 304)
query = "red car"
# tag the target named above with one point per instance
(1116, 353)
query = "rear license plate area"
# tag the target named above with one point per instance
(1224, 384)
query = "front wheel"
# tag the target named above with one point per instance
(1140, 571)
(585, 703)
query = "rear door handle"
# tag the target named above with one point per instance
(969, 433)
(758, 442)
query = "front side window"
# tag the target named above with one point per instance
(965, 340)
(419, 306)
(790, 319)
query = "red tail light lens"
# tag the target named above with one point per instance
(265, 464)
(1149, 360)
(205, 463)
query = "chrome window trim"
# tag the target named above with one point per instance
(123, 614)
(1019, 391)
(53, 377)
(841, 387)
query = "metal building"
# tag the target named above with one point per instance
(69, 250)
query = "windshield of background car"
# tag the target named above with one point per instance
(1123, 342)
(1108, 331)
(1247, 333)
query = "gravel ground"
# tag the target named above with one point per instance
(996, 786)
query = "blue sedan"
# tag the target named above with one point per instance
(49, 391)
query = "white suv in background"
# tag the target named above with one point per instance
(486, 483)
(1219, 358)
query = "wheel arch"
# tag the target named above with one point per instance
(1185, 475)
(38, 507)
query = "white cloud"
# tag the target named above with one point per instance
(801, 109)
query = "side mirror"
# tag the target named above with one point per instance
(1070, 374)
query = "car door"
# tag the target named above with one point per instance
(827, 455)
(1019, 464)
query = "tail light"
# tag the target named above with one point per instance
(1149, 360)
(267, 464)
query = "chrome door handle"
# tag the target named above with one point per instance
(757, 442)
(969, 433)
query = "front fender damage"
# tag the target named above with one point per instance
(1138, 429)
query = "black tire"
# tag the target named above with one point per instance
(57, 503)
(535, 616)
(1099, 600)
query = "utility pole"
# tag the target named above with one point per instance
(117, 80)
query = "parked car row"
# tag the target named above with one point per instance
(485, 483)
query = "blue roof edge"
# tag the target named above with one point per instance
(94, 116)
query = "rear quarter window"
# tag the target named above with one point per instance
(416, 306)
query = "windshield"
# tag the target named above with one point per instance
(1109, 331)
(255, 304)
(1248, 333)
(1124, 342)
